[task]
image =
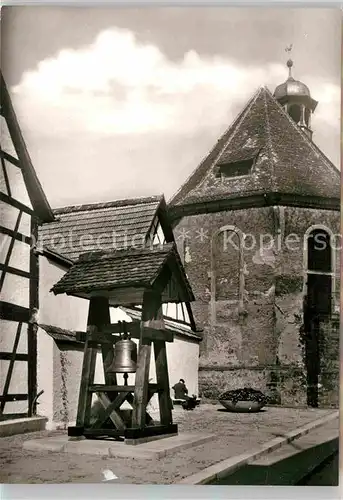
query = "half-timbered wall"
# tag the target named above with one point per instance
(18, 287)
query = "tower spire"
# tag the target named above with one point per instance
(295, 97)
(290, 61)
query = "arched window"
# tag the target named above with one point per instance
(319, 270)
(307, 117)
(319, 251)
(295, 112)
(227, 265)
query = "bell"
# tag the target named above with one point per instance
(125, 357)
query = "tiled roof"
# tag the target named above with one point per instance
(100, 226)
(288, 161)
(119, 269)
(60, 334)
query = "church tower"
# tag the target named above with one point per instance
(246, 220)
(295, 97)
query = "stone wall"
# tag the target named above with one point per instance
(329, 363)
(253, 337)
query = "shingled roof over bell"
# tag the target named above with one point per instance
(99, 271)
(285, 159)
(102, 226)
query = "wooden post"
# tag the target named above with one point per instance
(99, 316)
(162, 375)
(151, 304)
(87, 378)
(32, 326)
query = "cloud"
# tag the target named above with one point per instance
(121, 104)
(118, 86)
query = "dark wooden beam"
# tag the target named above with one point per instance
(13, 270)
(154, 430)
(119, 388)
(10, 368)
(10, 158)
(7, 182)
(16, 204)
(56, 257)
(7, 356)
(33, 327)
(98, 316)
(110, 408)
(134, 328)
(18, 236)
(9, 251)
(90, 432)
(150, 306)
(87, 378)
(13, 397)
(12, 312)
(34, 188)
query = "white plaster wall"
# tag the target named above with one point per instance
(59, 375)
(18, 383)
(17, 184)
(59, 310)
(8, 331)
(20, 255)
(15, 290)
(67, 365)
(45, 375)
(9, 215)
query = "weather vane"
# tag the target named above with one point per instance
(289, 48)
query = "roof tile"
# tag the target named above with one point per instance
(288, 161)
(101, 226)
(118, 269)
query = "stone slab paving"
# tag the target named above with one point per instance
(236, 433)
(151, 450)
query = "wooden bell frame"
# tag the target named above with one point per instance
(101, 333)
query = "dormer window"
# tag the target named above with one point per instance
(237, 163)
(235, 169)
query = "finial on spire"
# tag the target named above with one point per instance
(289, 62)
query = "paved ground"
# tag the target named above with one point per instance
(236, 433)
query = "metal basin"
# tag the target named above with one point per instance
(242, 406)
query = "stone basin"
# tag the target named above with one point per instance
(242, 406)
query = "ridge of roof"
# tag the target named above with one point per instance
(226, 134)
(123, 252)
(269, 141)
(108, 204)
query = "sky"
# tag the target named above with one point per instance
(125, 102)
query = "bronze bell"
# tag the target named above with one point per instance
(125, 356)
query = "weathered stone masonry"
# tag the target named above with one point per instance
(252, 338)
